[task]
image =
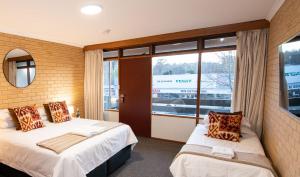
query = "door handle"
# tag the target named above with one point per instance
(122, 98)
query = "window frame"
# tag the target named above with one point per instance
(201, 49)
(121, 54)
(111, 58)
(228, 47)
(175, 52)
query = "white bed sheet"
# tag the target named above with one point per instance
(19, 150)
(187, 165)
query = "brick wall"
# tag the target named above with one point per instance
(281, 129)
(59, 73)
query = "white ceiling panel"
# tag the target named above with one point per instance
(61, 20)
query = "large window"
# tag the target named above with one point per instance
(217, 79)
(111, 85)
(178, 88)
(174, 84)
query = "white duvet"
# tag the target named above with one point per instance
(187, 165)
(19, 150)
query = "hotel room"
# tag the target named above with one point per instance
(160, 88)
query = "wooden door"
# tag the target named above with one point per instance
(135, 94)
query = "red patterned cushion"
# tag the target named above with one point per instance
(213, 128)
(226, 126)
(59, 112)
(28, 117)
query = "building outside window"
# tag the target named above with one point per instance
(111, 84)
(174, 84)
(217, 81)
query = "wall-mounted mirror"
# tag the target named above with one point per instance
(19, 68)
(290, 75)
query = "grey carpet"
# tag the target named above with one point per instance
(150, 158)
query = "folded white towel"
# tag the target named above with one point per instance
(223, 152)
(88, 131)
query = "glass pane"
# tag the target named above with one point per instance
(136, 51)
(217, 78)
(290, 83)
(111, 85)
(32, 63)
(111, 54)
(176, 47)
(174, 84)
(106, 84)
(32, 74)
(19, 64)
(114, 85)
(220, 42)
(21, 80)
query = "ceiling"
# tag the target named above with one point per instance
(61, 20)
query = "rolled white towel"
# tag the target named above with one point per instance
(88, 131)
(223, 152)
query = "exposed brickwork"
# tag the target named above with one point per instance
(281, 129)
(59, 74)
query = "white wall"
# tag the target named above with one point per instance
(112, 116)
(164, 127)
(172, 128)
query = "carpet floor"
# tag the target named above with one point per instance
(150, 158)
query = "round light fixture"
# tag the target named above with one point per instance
(91, 9)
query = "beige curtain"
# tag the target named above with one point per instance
(12, 72)
(93, 85)
(248, 95)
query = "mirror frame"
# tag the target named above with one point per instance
(5, 75)
(281, 75)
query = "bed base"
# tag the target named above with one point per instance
(103, 170)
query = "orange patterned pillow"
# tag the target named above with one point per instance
(213, 127)
(59, 112)
(28, 117)
(226, 126)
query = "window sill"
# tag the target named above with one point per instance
(111, 110)
(175, 116)
(163, 115)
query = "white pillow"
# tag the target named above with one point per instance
(44, 117)
(206, 119)
(245, 122)
(7, 124)
(5, 115)
(42, 111)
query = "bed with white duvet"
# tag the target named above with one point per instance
(19, 150)
(189, 165)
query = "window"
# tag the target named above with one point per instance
(25, 73)
(111, 85)
(220, 42)
(136, 51)
(174, 84)
(178, 88)
(217, 79)
(183, 46)
(111, 54)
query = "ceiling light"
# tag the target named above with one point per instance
(91, 9)
(221, 39)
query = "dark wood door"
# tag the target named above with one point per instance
(135, 94)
